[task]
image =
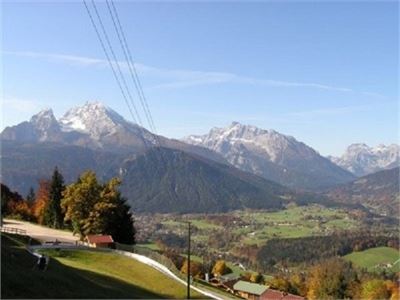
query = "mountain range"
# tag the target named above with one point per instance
(272, 155)
(229, 168)
(92, 125)
(360, 159)
(97, 127)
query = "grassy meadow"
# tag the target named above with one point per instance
(376, 259)
(257, 227)
(81, 274)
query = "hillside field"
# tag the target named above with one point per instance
(374, 259)
(81, 274)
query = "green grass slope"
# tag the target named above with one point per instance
(81, 274)
(372, 259)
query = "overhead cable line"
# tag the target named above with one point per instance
(126, 93)
(156, 137)
(131, 64)
(138, 86)
(109, 60)
(132, 69)
(116, 62)
(135, 78)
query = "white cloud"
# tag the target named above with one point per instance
(72, 59)
(279, 83)
(176, 78)
(309, 114)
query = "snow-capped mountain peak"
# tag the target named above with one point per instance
(44, 116)
(44, 124)
(93, 118)
(91, 125)
(269, 142)
(361, 159)
(267, 153)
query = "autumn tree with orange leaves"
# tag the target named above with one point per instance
(41, 201)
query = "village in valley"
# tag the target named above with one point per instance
(200, 150)
(251, 254)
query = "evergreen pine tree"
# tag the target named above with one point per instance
(53, 216)
(30, 198)
(116, 218)
(123, 230)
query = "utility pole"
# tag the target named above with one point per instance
(188, 263)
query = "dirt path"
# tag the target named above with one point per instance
(41, 233)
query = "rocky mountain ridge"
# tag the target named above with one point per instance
(272, 155)
(361, 159)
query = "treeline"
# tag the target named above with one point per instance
(291, 251)
(12, 204)
(336, 278)
(86, 206)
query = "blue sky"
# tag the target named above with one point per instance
(325, 73)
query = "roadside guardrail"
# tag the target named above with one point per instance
(12, 230)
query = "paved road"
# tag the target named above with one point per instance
(41, 233)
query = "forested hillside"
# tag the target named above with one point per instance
(378, 192)
(166, 180)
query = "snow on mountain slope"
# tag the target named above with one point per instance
(91, 125)
(361, 159)
(93, 118)
(95, 126)
(272, 155)
(267, 142)
(41, 127)
(46, 125)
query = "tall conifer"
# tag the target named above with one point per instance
(53, 215)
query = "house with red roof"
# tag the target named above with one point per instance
(99, 241)
(271, 294)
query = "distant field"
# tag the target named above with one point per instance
(259, 226)
(294, 222)
(235, 269)
(374, 259)
(203, 224)
(194, 258)
(151, 246)
(231, 234)
(81, 274)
